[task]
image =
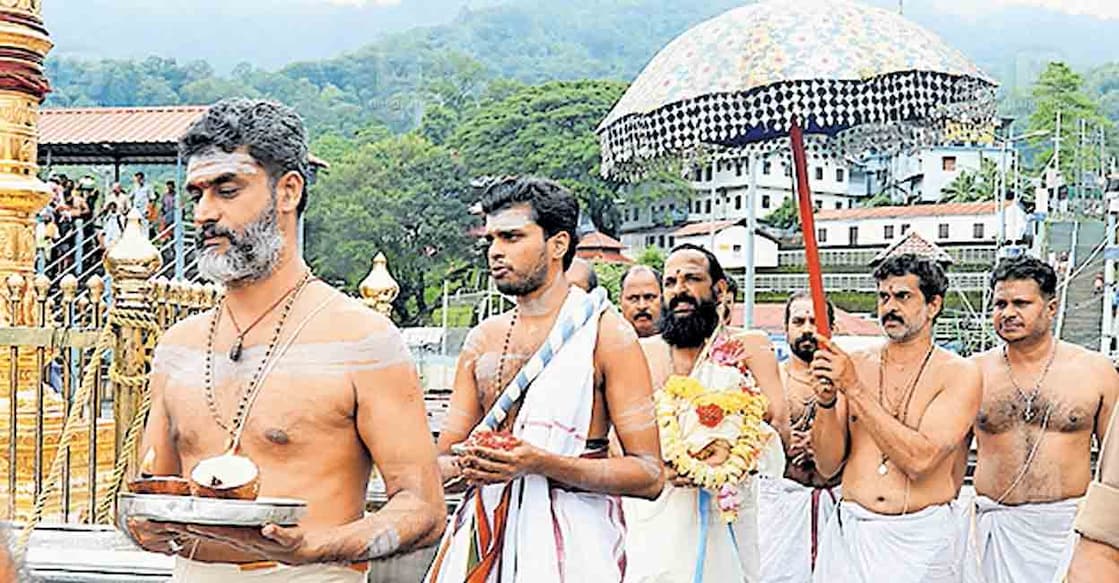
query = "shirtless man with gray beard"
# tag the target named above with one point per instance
(319, 403)
(1043, 401)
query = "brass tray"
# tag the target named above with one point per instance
(211, 511)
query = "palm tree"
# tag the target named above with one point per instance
(965, 188)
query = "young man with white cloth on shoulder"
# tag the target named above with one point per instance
(1043, 400)
(896, 419)
(551, 376)
(794, 509)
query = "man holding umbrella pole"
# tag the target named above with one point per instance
(896, 420)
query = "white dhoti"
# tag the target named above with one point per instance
(664, 537)
(188, 571)
(1027, 543)
(531, 530)
(791, 516)
(860, 546)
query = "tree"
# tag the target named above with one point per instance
(546, 130)
(1059, 88)
(784, 216)
(402, 196)
(964, 188)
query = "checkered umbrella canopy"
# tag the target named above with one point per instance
(855, 78)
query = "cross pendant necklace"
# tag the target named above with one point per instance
(1029, 398)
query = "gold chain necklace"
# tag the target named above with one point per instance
(250, 389)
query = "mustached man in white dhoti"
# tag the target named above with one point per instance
(715, 388)
(896, 420)
(536, 392)
(794, 509)
(1043, 401)
(271, 376)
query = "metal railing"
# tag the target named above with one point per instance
(984, 255)
(853, 282)
(44, 348)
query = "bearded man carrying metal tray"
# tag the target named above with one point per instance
(267, 415)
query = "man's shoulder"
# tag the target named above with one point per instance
(188, 331)
(614, 331)
(361, 321)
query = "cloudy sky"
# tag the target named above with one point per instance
(271, 33)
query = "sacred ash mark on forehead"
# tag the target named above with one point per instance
(509, 219)
(205, 168)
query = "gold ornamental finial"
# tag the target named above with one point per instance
(131, 262)
(379, 289)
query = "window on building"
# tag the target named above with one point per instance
(650, 240)
(736, 248)
(839, 175)
(904, 228)
(707, 206)
(838, 205)
(738, 168)
(888, 232)
(767, 167)
(819, 204)
(661, 240)
(819, 173)
(695, 206)
(671, 241)
(738, 203)
(765, 201)
(707, 175)
(977, 230)
(942, 230)
(822, 235)
(948, 163)
(788, 170)
(852, 235)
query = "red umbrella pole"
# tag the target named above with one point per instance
(808, 226)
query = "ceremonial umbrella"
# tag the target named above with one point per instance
(841, 78)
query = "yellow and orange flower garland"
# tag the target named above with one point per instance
(681, 393)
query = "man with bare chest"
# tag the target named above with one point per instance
(554, 374)
(896, 420)
(682, 533)
(268, 375)
(1043, 400)
(792, 510)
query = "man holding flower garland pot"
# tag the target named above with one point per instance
(716, 390)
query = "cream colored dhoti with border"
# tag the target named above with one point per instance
(189, 571)
(861, 546)
(1025, 543)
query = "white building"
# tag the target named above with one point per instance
(943, 224)
(727, 240)
(924, 175)
(721, 194)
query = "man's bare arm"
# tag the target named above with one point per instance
(465, 409)
(762, 362)
(946, 422)
(159, 454)
(392, 423)
(830, 435)
(1109, 391)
